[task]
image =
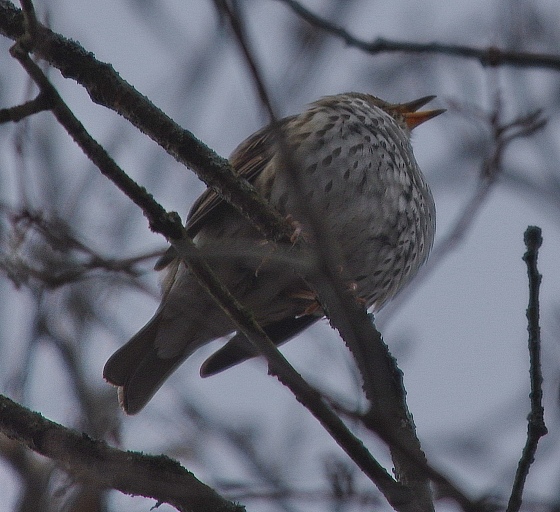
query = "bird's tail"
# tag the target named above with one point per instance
(137, 369)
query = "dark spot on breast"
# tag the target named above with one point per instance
(354, 149)
(311, 169)
(328, 186)
(362, 183)
(346, 174)
(381, 239)
(336, 152)
(327, 160)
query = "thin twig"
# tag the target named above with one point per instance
(491, 56)
(29, 108)
(30, 18)
(536, 427)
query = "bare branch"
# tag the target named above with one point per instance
(19, 112)
(160, 478)
(30, 18)
(491, 56)
(536, 427)
(288, 376)
(169, 225)
(47, 250)
(107, 88)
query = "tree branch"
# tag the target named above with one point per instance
(491, 56)
(19, 112)
(160, 478)
(536, 427)
(108, 89)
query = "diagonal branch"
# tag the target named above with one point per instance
(86, 459)
(108, 89)
(29, 108)
(491, 56)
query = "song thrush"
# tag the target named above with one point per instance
(357, 172)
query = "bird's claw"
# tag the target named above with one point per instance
(298, 230)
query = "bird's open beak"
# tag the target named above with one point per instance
(412, 117)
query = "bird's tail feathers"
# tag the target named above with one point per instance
(137, 369)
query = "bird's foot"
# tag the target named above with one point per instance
(299, 233)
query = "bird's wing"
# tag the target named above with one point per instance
(249, 159)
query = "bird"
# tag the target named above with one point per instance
(352, 157)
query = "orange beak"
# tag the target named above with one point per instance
(413, 118)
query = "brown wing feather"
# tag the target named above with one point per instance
(248, 159)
